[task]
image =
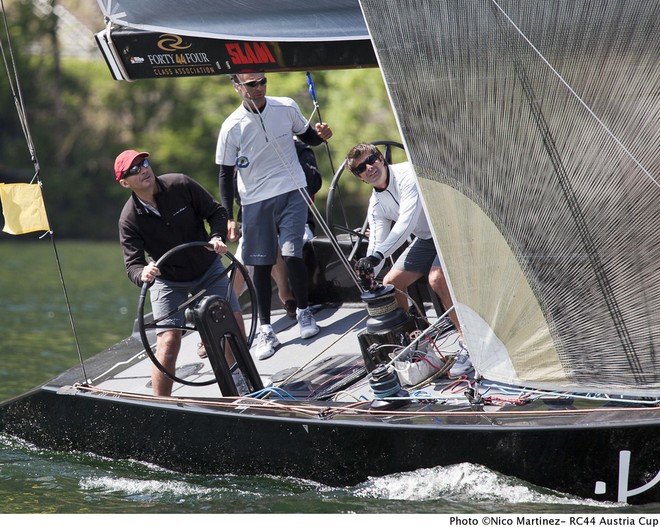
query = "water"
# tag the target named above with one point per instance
(40, 481)
(37, 343)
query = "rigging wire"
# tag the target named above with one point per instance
(15, 86)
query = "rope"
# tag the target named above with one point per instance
(321, 411)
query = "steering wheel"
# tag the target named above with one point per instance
(230, 270)
(356, 235)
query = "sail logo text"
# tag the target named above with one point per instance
(249, 53)
(162, 59)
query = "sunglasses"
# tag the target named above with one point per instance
(254, 84)
(357, 170)
(135, 169)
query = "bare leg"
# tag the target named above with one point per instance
(401, 280)
(438, 283)
(168, 344)
(239, 283)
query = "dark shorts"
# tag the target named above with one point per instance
(418, 257)
(277, 220)
(167, 295)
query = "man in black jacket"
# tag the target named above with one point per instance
(162, 213)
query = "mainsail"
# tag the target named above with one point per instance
(533, 129)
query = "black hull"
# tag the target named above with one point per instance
(567, 453)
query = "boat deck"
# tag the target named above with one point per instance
(300, 368)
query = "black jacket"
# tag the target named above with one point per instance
(183, 205)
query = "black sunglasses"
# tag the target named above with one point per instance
(254, 84)
(357, 170)
(135, 169)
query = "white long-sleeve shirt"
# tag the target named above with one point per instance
(399, 203)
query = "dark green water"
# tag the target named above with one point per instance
(36, 343)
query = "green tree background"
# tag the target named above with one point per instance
(80, 118)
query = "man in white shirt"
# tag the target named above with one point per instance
(257, 140)
(395, 213)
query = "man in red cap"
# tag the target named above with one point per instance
(164, 212)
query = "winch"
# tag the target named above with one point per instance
(388, 325)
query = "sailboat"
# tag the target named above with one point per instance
(533, 132)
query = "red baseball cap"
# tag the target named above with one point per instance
(125, 160)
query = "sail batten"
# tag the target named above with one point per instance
(533, 130)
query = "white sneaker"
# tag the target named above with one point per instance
(240, 383)
(265, 344)
(306, 323)
(462, 365)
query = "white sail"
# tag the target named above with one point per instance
(533, 129)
